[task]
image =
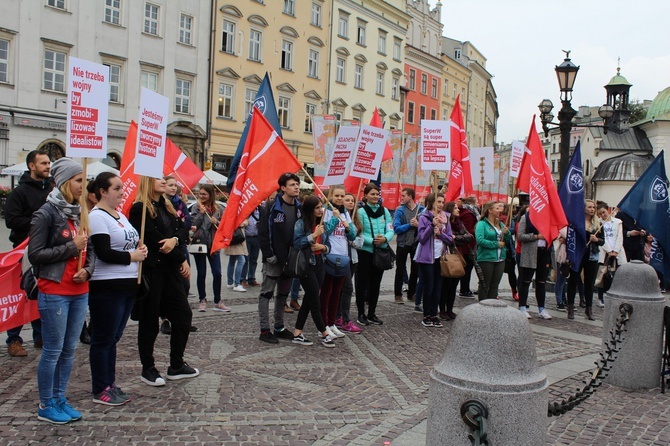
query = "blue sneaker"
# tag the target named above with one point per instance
(52, 413)
(65, 407)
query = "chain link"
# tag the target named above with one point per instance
(475, 414)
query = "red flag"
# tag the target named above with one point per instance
(376, 121)
(460, 176)
(128, 177)
(545, 211)
(264, 159)
(15, 309)
(180, 166)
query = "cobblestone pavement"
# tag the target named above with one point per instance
(372, 388)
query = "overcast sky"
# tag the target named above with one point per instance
(522, 41)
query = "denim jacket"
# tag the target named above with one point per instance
(302, 238)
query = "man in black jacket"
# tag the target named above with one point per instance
(29, 196)
(275, 234)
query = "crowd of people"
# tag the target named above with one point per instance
(90, 259)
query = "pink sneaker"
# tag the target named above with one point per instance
(350, 327)
(338, 322)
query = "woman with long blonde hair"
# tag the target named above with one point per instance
(165, 263)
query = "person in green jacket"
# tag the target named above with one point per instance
(492, 236)
(377, 231)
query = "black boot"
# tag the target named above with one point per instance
(85, 336)
(589, 314)
(571, 311)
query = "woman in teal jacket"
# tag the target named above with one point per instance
(377, 231)
(492, 236)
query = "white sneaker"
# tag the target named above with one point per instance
(601, 304)
(334, 330)
(230, 287)
(240, 288)
(330, 332)
(544, 314)
(525, 313)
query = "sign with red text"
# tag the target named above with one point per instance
(87, 109)
(340, 158)
(151, 129)
(369, 151)
(435, 145)
(518, 150)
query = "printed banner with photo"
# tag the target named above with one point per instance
(151, 131)
(323, 137)
(87, 109)
(391, 172)
(409, 161)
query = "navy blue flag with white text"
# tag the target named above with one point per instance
(648, 203)
(657, 258)
(571, 194)
(265, 102)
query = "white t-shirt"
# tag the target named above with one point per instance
(122, 237)
(610, 236)
(338, 238)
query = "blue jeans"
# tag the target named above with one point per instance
(249, 269)
(295, 289)
(235, 265)
(429, 276)
(62, 319)
(110, 309)
(14, 334)
(201, 266)
(559, 287)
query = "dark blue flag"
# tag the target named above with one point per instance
(571, 194)
(657, 258)
(647, 202)
(265, 102)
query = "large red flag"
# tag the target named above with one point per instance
(460, 176)
(128, 177)
(545, 211)
(177, 164)
(264, 159)
(15, 309)
(376, 121)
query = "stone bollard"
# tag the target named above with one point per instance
(490, 357)
(638, 364)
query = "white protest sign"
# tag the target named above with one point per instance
(482, 165)
(369, 151)
(151, 129)
(340, 158)
(518, 149)
(87, 109)
(435, 145)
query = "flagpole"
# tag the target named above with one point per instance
(144, 220)
(309, 177)
(211, 219)
(360, 184)
(80, 262)
(511, 206)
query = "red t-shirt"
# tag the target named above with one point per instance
(66, 287)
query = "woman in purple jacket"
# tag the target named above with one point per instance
(434, 235)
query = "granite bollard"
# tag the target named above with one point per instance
(638, 363)
(490, 357)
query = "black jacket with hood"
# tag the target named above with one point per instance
(22, 203)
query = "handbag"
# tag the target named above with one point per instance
(336, 265)
(238, 237)
(382, 258)
(28, 277)
(452, 264)
(198, 248)
(606, 273)
(298, 262)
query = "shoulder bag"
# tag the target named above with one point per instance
(336, 265)
(298, 262)
(382, 258)
(452, 264)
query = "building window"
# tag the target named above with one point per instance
(316, 15)
(113, 12)
(343, 26)
(395, 88)
(182, 99)
(185, 27)
(313, 64)
(381, 43)
(397, 49)
(4, 60)
(114, 82)
(310, 109)
(249, 99)
(422, 113)
(54, 70)
(457, 53)
(553, 166)
(433, 89)
(284, 112)
(286, 55)
(412, 79)
(433, 114)
(289, 7)
(360, 33)
(380, 83)
(150, 80)
(340, 70)
(358, 76)
(410, 112)
(553, 148)
(424, 83)
(151, 19)
(456, 89)
(60, 4)
(445, 89)
(225, 101)
(228, 37)
(255, 39)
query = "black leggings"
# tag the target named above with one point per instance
(448, 294)
(311, 303)
(368, 281)
(541, 272)
(590, 268)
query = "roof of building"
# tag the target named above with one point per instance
(618, 79)
(659, 110)
(626, 167)
(635, 140)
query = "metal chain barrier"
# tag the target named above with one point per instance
(475, 414)
(604, 365)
